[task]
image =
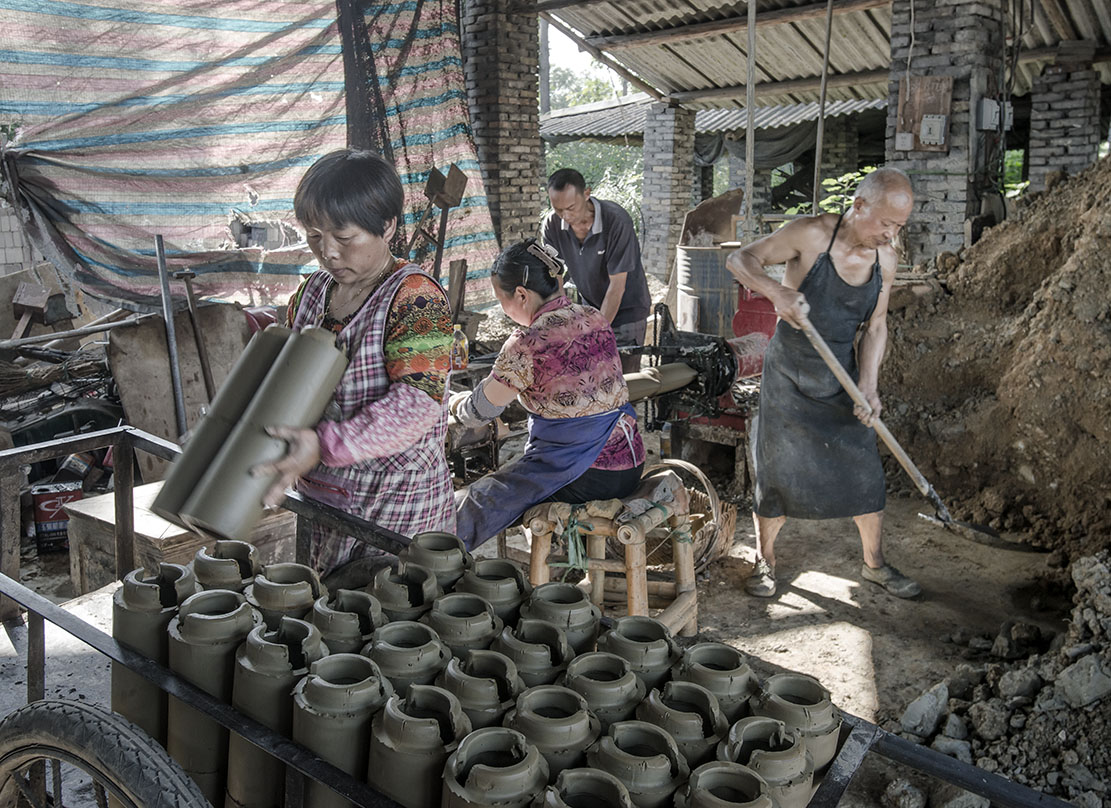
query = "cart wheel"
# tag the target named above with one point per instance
(65, 753)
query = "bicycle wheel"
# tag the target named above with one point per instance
(66, 754)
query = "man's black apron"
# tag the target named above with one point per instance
(814, 459)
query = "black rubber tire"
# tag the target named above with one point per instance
(109, 747)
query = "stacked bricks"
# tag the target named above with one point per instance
(668, 172)
(501, 54)
(761, 183)
(1064, 122)
(955, 38)
(15, 253)
(840, 146)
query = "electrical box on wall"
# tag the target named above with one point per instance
(988, 114)
(933, 129)
(922, 120)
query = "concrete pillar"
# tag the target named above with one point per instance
(1064, 122)
(501, 55)
(668, 164)
(962, 39)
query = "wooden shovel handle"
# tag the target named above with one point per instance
(858, 398)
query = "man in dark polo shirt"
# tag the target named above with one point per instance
(596, 241)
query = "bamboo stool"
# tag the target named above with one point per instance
(680, 615)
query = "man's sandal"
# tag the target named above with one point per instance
(761, 583)
(892, 580)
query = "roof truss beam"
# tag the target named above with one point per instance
(789, 87)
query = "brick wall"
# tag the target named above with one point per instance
(761, 183)
(840, 146)
(15, 253)
(954, 38)
(668, 164)
(1064, 122)
(501, 54)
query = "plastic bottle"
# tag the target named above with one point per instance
(460, 351)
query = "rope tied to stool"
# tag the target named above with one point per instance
(573, 540)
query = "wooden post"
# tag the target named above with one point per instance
(540, 544)
(123, 485)
(750, 129)
(9, 537)
(636, 577)
(596, 551)
(822, 112)
(683, 557)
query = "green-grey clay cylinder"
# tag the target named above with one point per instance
(494, 766)
(203, 637)
(579, 788)
(691, 716)
(407, 653)
(486, 684)
(410, 740)
(724, 671)
(347, 618)
(648, 646)
(405, 590)
(557, 722)
(644, 758)
(443, 553)
(464, 622)
(232, 564)
(227, 500)
(538, 648)
(607, 682)
(568, 607)
(285, 589)
(707, 784)
(502, 583)
(141, 611)
(224, 412)
(767, 747)
(267, 666)
(804, 706)
(332, 711)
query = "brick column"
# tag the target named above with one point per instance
(761, 184)
(840, 146)
(668, 164)
(501, 56)
(1064, 122)
(962, 39)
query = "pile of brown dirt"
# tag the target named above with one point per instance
(999, 385)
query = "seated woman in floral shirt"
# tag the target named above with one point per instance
(564, 368)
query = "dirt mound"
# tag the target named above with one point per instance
(999, 385)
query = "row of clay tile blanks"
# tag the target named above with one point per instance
(284, 590)
(227, 500)
(558, 723)
(486, 684)
(585, 788)
(724, 671)
(332, 711)
(494, 766)
(141, 611)
(539, 650)
(408, 653)
(804, 706)
(203, 638)
(566, 606)
(464, 622)
(224, 412)
(499, 582)
(410, 740)
(648, 646)
(767, 747)
(691, 715)
(607, 682)
(231, 564)
(442, 553)
(709, 782)
(267, 666)
(405, 590)
(347, 618)
(644, 758)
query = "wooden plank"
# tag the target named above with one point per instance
(924, 95)
(808, 84)
(1059, 19)
(10, 537)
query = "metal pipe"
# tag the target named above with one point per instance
(171, 336)
(187, 276)
(11, 344)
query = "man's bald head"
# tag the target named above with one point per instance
(881, 206)
(885, 184)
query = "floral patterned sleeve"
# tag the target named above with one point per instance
(418, 337)
(514, 365)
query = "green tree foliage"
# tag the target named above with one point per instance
(569, 89)
(839, 193)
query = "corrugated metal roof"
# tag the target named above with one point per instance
(625, 117)
(793, 50)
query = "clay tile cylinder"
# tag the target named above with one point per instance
(332, 711)
(538, 648)
(494, 766)
(407, 653)
(464, 622)
(203, 637)
(647, 644)
(232, 564)
(284, 590)
(568, 607)
(644, 758)
(486, 684)
(267, 666)
(443, 553)
(767, 747)
(141, 611)
(721, 783)
(557, 722)
(691, 715)
(585, 788)
(804, 706)
(410, 741)
(722, 670)
(346, 619)
(501, 583)
(406, 591)
(607, 682)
